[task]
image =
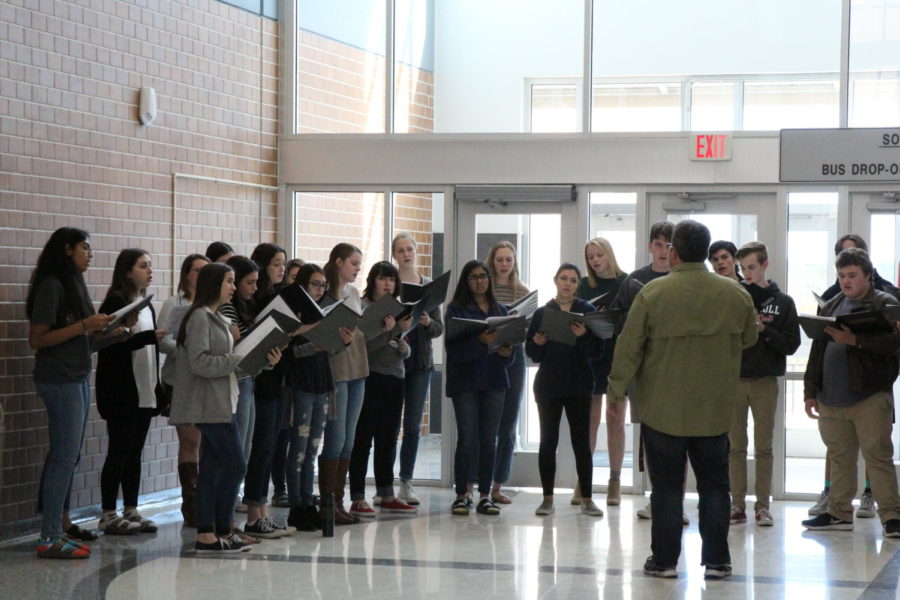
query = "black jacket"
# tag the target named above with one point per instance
(779, 338)
(872, 363)
(117, 394)
(564, 370)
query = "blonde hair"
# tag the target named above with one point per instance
(514, 275)
(604, 246)
(403, 235)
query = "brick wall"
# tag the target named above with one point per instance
(73, 153)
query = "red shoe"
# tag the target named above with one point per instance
(398, 506)
(361, 509)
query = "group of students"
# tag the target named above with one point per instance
(228, 422)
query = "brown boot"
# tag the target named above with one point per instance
(187, 475)
(327, 471)
(340, 481)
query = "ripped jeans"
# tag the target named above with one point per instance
(307, 425)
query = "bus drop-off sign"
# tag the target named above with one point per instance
(840, 155)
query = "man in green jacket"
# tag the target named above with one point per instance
(682, 344)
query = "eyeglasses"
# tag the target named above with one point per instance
(319, 285)
(477, 277)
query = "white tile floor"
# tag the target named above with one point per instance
(436, 555)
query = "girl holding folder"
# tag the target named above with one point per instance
(127, 387)
(309, 381)
(477, 382)
(206, 394)
(564, 381)
(379, 419)
(504, 266)
(62, 325)
(350, 369)
(604, 278)
(418, 367)
(269, 401)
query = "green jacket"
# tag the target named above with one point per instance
(682, 344)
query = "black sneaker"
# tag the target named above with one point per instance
(655, 570)
(892, 528)
(220, 546)
(717, 572)
(263, 529)
(827, 522)
(236, 542)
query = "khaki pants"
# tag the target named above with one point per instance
(759, 395)
(847, 430)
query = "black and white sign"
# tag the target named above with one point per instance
(839, 155)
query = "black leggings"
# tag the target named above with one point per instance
(127, 435)
(578, 413)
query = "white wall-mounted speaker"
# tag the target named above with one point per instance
(147, 105)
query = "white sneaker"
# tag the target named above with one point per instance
(645, 513)
(591, 509)
(866, 508)
(408, 494)
(821, 505)
(545, 509)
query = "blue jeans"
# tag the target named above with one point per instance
(245, 416)
(666, 461)
(415, 393)
(269, 411)
(67, 412)
(341, 430)
(477, 419)
(506, 434)
(307, 425)
(222, 467)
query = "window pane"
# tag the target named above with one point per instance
(613, 218)
(712, 106)
(637, 107)
(874, 68)
(771, 105)
(340, 66)
(486, 51)
(554, 108)
(812, 232)
(325, 219)
(422, 215)
(414, 66)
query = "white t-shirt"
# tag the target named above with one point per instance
(143, 363)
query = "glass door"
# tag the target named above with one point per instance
(738, 218)
(545, 234)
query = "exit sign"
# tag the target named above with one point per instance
(710, 146)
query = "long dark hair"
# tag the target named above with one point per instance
(262, 256)
(54, 262)
(122, 285)
(209, 289)
(186, 265)
(242, 266)
(381, 269)
(342, 251)
(462, 296)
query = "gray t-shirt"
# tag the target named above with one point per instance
(836, 374)
(69, 361)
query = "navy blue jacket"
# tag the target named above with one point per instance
(469, 366)
(564, 370)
